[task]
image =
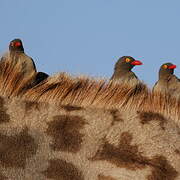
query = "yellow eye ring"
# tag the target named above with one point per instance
(127, 60)
(165, 66)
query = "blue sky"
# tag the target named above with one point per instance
(88, 36)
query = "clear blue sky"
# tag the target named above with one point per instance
(88, 36)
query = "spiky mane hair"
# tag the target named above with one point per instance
(62, 89)
(12, 80)
(85, 91)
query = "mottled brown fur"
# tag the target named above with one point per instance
(30, 105)
(146, 117)
(59, 169)
(71, 108)
(125, 155)
(161, 169)
(116, 116)
(177, 151)
(16, 149)
(128, 156)
(4, 117)
(61, 144)
(102, 177)
(3, 177)
(65, 133)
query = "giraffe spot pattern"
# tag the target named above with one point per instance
(65, 132)
(116, 116)
(31, 105)
(60, 169)
(71, 108)
(146, 117)
(2, 177)
(15, 150)
(161, 169)
(127, 156)
(177, 151)
(102, 177)
(4, 117)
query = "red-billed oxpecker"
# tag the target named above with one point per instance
(17, 56)
(122, 70)
(168, 82)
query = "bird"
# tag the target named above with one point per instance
(16, 55)
(167, 82)
(122, 70)
(40, 76)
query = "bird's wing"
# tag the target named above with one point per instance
(174, 86)
(112, 77)
(134, 75)
(174, 80)
(34, 65)
(29, 60)
(154, 87)
(160, 86)
(131, 75)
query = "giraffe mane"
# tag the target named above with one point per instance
(63, 89)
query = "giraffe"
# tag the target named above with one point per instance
(80, 128)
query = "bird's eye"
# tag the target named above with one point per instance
(127, 60)
(165, 66)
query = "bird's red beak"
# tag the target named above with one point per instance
(136, 62)
(17, 44)
(172, 67)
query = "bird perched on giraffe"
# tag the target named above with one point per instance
(18, 57)
(167, 82)
(122, 70)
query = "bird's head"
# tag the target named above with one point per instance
(126, 63)
(16, 45)
(166, 69)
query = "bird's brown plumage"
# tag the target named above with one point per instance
(168, 82)
(122, 70)
(18, 57)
